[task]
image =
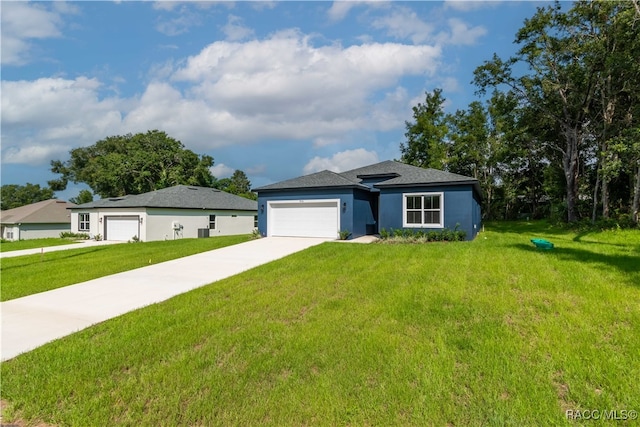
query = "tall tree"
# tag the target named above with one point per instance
(85, 196)
(556, 82)
(14, 196)
(238, 184)
(426, 144)
(133, 164)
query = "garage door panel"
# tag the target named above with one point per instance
(122, 228)
(305, 219)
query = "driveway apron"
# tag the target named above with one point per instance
(34, 320)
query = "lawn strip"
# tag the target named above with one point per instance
(27, 275)
(480, 333)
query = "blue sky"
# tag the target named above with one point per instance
(277, 89)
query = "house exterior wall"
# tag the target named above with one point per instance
(11, 232)
(157, 223)
(344, 195)
(460, 207)
(41, 231)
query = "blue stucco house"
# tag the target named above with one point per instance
(366, 200)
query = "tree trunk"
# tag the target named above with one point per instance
(605, 198)
(636, 197)
(595, 196)
(570, 166)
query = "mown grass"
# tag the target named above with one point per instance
(18, 245)
(30, 274)
(489, 332)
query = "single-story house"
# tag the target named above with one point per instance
(387, 195)
(167, 214)
(44, 219)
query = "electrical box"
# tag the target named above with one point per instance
(175, 225)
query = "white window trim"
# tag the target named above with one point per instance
(404, 211)
(215, 221)
(87, 222)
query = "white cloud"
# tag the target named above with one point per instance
(461, 34)
(342, 161)
(341, 8)
(221, 171)
(44, 116)
(404, 23)
(34, 154)
(290, 90)
(22, 22)
(234, 30)
(470, 5)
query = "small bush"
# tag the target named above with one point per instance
(422, 236)
(75, 236)
(344, 234)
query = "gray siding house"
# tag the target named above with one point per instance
(38, 220)
(167, 214)
(363, 201)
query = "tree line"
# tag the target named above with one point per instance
(128, 164)
(559, 135)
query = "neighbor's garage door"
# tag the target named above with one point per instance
(122, 227)
(304, 218)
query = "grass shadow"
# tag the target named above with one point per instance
(520, 227)
(627, 264)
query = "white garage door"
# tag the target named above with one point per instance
(304, 218)
(122, 227)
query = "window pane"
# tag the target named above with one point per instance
(413, 217)
(435, 202)
(432, 217)
(414, 202)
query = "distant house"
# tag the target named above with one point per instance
(167, 214)
(389, 195)
(38, 220)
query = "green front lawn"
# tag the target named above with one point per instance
(18, 245)
(30, 274)
(489, 332)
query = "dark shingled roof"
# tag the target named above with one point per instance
(178, 197)
(324, 179)
(391, 174)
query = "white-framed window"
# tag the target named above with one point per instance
(255, 221)
(423, 210)
(83, 222)
(212, 222)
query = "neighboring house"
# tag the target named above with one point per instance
(167, 214)
(38, 220)
(387, 195)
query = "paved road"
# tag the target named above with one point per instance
(34, 320)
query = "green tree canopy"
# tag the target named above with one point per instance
(14, 196)
(425, 146)
(238, 184)
(85, 196)
(133, 164)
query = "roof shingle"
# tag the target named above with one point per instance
(178, 197)
(51, 211)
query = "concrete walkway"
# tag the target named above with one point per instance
(34, 320)
(47, 249)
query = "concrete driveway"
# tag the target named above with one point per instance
(34, 320)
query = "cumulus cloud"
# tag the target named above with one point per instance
(290, 90)
(341, 8)
(48, 115)
(462, 34)
(234, 30)
(404, 23)
(342, 161)
(470, 5)
(23, 22)
(221, 171)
